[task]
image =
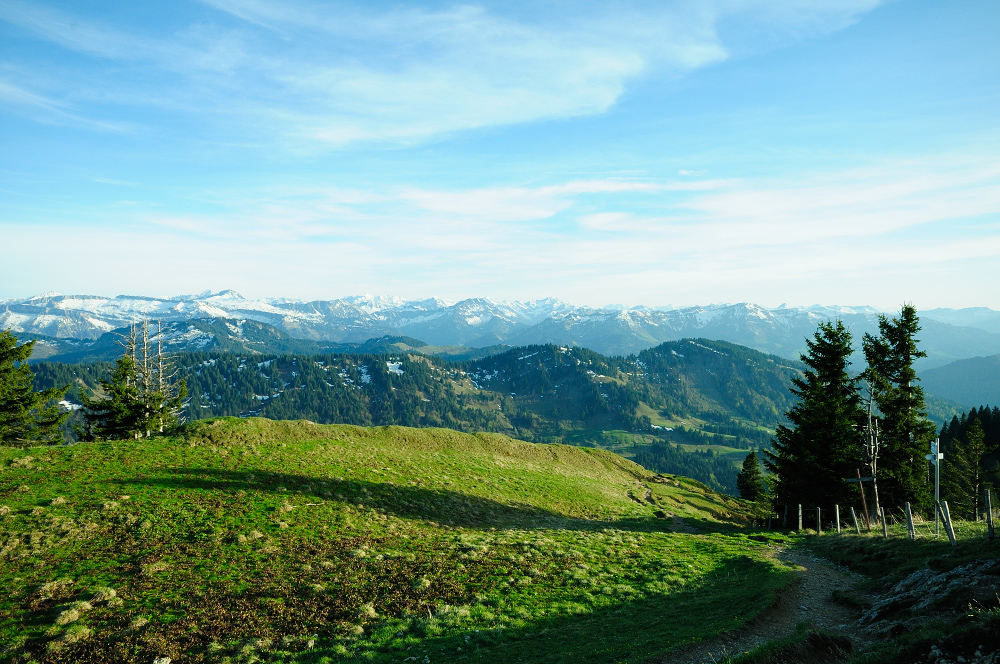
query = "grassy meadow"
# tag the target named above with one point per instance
(260, 541)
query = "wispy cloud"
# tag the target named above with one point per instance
(857, 203)
(51, 111)
(12, 94)
(320, 76)
(852, 205)
(813, 237)
(64, 29)
(191, 50)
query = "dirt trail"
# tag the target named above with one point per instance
(808, 600)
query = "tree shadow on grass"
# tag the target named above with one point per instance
(618, 627)
(441, 506)
(629, 630)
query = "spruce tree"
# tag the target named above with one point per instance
(750, 481)
(812, 457)
(962, 473)
(121, 413)
(954, 433)
(27, 417)
(906, 433)
(140, 398)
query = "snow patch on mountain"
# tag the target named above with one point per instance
(372, 303)
(613, 329)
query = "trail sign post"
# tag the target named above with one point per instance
(935, 457)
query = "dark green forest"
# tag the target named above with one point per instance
(971, 446)
(958, 428)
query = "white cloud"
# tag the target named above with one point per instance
(878, 229)
(855, 204)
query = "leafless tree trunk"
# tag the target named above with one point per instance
(872, 445)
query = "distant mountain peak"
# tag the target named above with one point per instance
(45, 296)
(479, 322)
(228, 294)
(372, 303)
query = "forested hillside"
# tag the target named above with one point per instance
(969, 382)
(698, 397)
(971, 446)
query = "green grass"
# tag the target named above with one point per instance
(889, 560)
(251, 540)
(734, 454)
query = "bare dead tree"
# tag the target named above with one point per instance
(170, 390)
(870, 444)
(129, 342)
(158, 394)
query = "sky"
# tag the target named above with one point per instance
(658, 153)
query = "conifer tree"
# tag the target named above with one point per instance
(141, 397)
(27, 417)
(906, 433)
(750, 481)
(811, 459)
(120, 414)
(954, 433)
(962, 476)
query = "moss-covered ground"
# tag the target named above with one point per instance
(252, 540)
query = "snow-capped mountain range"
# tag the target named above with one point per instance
(947, 335)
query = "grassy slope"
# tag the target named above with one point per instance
(252, 540)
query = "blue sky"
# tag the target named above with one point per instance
(651, 153)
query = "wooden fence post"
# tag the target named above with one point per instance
(989, 515)
(910, 531)
(819, 522)
(836, 516)
(864, 503)
(946, 517)
(854, 517)
(885, 527)
(800, 517)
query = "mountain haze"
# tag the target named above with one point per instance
(971, 382)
